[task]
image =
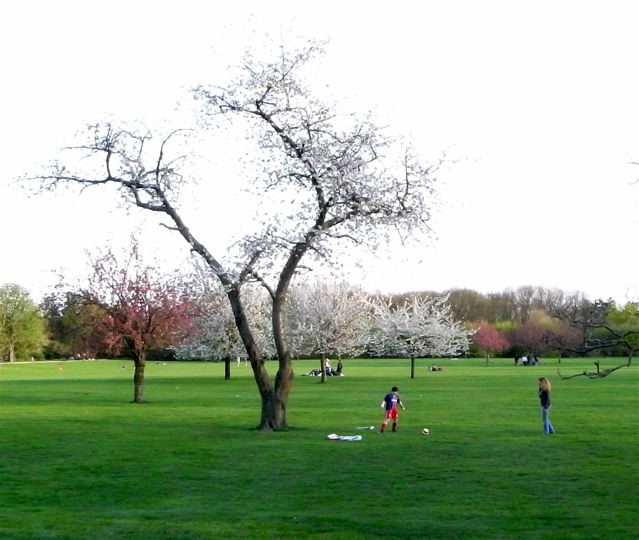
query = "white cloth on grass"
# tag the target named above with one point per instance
(350, 438)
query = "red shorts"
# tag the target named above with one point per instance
(392, 414)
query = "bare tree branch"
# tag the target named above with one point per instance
(599, 374)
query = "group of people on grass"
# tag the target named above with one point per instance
(328, 370)
(392, 402)
(530, 360)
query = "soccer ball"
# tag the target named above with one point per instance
(425, 431)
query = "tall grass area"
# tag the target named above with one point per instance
(79, 461)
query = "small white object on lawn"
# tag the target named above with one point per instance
(349, 438)
(425, 431)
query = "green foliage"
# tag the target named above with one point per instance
(625, 323)
(75, 327)
(610, 330)
(80, 463)
(627, 316)
(506, 326)
(22, 331)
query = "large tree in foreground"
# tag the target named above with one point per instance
(341, 179)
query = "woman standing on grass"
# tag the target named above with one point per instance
(544, 399)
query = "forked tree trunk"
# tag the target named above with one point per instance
(274, 398)
(274, 403)
(138, 378)
(12, 352)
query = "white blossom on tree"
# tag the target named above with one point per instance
(216, 335)
(418, 327)
(328, 319)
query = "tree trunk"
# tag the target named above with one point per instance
(323, 368)
(412, 366)
(274, 407)
(274, 417)
(138, 378)
(274, 398)
(227, 369)
(12, 352)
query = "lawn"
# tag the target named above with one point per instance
(79, 461)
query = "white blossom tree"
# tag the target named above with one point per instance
(215, 334)
(328, 319)
(342, 179)
(418, 327)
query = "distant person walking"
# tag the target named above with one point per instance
(544, 400)
(390, 404)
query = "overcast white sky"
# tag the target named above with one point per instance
(535, 103)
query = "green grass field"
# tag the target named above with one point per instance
(79, 461)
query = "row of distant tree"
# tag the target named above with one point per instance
(541, 321)
(127, 308)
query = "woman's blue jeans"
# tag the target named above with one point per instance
(546, 420)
